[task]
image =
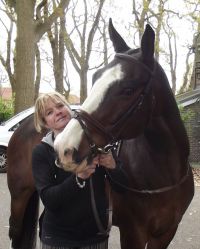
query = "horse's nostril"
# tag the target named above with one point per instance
(76, 157)
(66, 152)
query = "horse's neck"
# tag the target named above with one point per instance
(171, 116)
(161, 152)
(171, 131)
(177, 128)
(156, 157)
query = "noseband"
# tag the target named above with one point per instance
(86, 120)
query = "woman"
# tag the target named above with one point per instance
(67, 220)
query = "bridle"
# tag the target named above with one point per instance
(86, 120)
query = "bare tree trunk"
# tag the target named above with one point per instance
(61, 55)
(56, 40)
(25, 55)
(186, 74)
(83, 88)
(29, 32)
(80, 58)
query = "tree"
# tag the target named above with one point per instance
(147, 14)
(80, 57)
(56, 39)
(30, 29)
(84, 35)
(186, 75)
(171, 36)
(193, 8)
(6, 61)
(156, 13)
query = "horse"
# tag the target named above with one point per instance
(24, 197)
(130, 104)
(131, 101)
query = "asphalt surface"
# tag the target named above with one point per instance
(187, 236)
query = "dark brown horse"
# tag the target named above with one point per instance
(24, 198)
(131, 101)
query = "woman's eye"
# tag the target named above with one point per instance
(60, 105)
(128, 91)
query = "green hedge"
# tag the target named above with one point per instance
(6, 110)
(186, 114)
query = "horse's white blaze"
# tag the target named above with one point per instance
(107, 79)
(71, 136)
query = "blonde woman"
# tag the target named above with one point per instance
(67, 220)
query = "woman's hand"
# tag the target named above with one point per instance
(107, 160)
(89, 169)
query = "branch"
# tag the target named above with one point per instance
(71, 50)
(11, 3)
(3, 62)
(6, 62)
(93, 30)
(38, 10)
(46, 25)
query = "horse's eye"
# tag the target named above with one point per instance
(128, 91)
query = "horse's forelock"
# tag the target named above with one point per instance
(102, 84)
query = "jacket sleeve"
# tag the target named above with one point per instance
(52, 194)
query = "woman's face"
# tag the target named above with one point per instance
(57, 115)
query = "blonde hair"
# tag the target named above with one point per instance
(40, 107)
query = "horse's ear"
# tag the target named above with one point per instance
(147, 44)
(119, 44)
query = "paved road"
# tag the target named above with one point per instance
(187, 237)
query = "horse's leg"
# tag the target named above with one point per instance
(18, 207)
(132, 239)
(163, 241)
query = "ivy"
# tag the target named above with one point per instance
(186, 114)
(6, 109)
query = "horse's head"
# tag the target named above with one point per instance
(119, 105)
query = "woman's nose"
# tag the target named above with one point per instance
(57, 111)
